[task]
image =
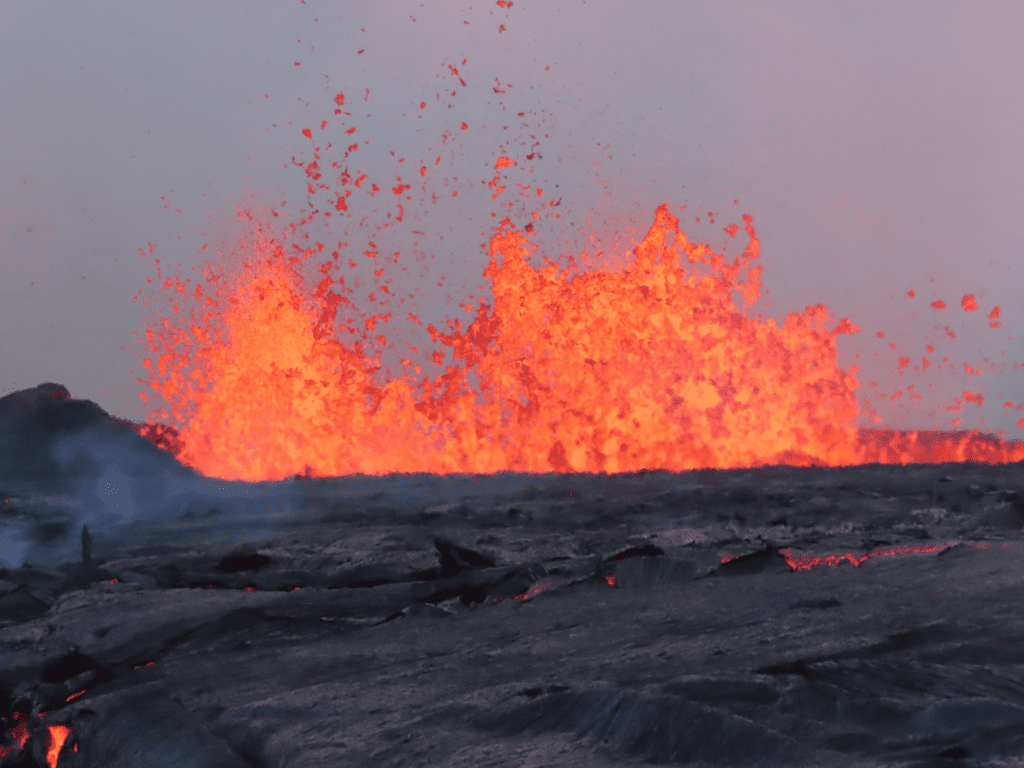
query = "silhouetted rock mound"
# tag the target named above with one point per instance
(52, 443)
(66, 462)
(29, 399)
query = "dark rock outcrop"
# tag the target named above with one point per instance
(78, 465)
(54, 443)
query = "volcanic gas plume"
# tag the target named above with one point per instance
(655, 365)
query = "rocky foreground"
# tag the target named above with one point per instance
(864, 616)
(541, 620)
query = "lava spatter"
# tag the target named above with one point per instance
(652, 366)
(657, 364)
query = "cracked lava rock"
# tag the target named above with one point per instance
(857, 616)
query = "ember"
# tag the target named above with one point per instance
(18, 732)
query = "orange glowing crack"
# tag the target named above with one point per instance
(799, 561)
(804, 562)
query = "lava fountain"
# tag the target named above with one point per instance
(655, 365)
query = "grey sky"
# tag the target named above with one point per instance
(876, 145)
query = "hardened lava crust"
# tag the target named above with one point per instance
(857, 616)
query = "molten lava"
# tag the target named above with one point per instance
(654, 365)
(650, 367)
(19, 734)
(58, 735)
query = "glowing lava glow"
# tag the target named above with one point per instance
(649, 367)
(802, 561)
(58, 735)
(653, 366)
(19, 734)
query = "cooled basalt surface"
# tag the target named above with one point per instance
(535, 620)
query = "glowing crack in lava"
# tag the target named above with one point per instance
(650, 367)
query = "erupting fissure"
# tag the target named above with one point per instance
(655, 365)
(650, 367)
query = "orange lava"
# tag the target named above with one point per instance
(657, 364)
(653, 366)
(56, 736)
(650, 367)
